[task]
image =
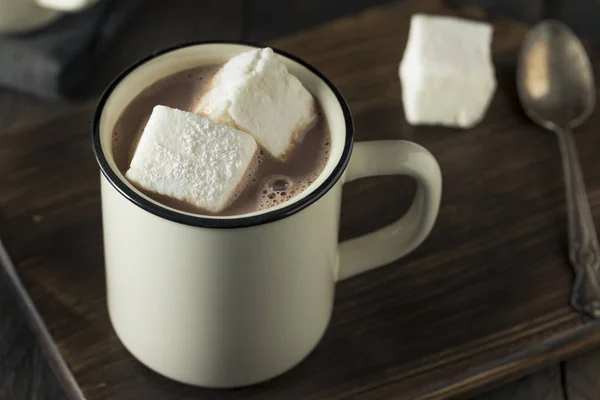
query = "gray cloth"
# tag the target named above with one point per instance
(52, 62)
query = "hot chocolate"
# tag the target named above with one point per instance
(269, 181)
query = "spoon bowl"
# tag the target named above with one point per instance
(554, 77)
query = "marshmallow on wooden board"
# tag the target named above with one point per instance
(254, 92)
(189, 157)
(446, 72)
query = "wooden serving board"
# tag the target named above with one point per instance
(482, 301)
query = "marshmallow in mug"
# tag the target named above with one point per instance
(191, 158)
(446, 72)
(255, 93)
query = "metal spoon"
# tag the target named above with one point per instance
(556, 88)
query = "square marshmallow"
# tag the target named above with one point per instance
(190, 158)
(446, 72)
(254, 92)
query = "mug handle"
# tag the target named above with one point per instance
(392, 157)
(66, 5)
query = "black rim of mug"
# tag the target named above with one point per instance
(207, 221)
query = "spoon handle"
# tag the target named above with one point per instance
(583, 242)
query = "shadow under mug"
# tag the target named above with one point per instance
(233, 301)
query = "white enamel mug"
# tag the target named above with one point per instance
(18, 16)
(232, 301)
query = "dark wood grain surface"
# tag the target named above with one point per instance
(23, 367)
(484, 300)
(31, 366)
(543, 385)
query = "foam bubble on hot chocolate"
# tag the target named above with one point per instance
(278, 189)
